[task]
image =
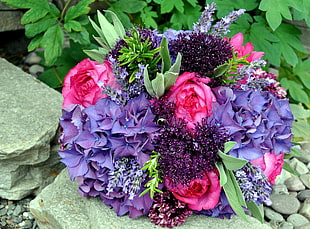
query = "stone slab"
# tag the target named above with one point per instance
(60, 206)
(10, 20)
(29, 113)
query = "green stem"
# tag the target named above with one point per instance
(64, 10)
(57, 76)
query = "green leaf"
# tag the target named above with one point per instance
(118, 26)
(223, 177)
(177, 64)
(170, 78)
(288, 168)
(79, 9)
(274, 14)
(80, 37)
(263, 40)
(53, 10)
(301, 129)
(96, 55)
(109, 33)
(129, 6)
(234, 195)
(242, 25)
(148, 83)
(27, 4)
(296, 90)
(164, 53)
(302, 70)
(257, 211)
(147, 16)
(72, 25)
(228, 146)
(158, 85)
(34, 14)
(35, 43)
(302, 11)
(192, 15)
(288, 37)
(299, 111)
(231, 163)
(166, 6)
(39, 26)
(52, 41)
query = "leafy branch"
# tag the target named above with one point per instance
(151, 167)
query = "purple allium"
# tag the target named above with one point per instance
(201, 53)
(221, 210)
(254, 184)
(205, 21)
(256, 120)
(185, 154)
(167, 211)
(221, 27)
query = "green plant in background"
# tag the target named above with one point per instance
(48, 27)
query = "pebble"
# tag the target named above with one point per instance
(284, 204)
(17, 210)
(287, 225)
(36, 70)
(300, 167)
(294, 184)
(279, 189)
(273, 215)
(305, 179)
(304, 226)
(297, 219)
(304, 194)
(32, 58)
(305, 208)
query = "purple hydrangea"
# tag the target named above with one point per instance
(105, 147)
(256, 120)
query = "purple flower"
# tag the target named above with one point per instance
(205, 22)
(256, 120)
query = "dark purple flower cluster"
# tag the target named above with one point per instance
(256, 120)
(201, 53)
(221, 210)
(105, 146)
(167, 211)
(188, 154)
(254, 184)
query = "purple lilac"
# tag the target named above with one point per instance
(256, 120)
(221, 27)
(167, 211)
(205, 21)
(254, 184)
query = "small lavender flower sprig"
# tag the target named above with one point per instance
(221, 27)
(205, 21)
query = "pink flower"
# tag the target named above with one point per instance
(81, 83)
(203, 193)
(271, 164)
(193, 98)
(237, 42)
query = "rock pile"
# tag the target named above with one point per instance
(29, 112)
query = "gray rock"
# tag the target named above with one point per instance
(36, 70)
(284, 204)
(305, 208)
(300, 167)
(302, 195)
(287, 225)
(29, 112)
(294, 184)
(305, 179)
(272, 215)
(10, 20)
(60, 206)
(297, 219)
(32, 58)
(279, 189)
(304, 226)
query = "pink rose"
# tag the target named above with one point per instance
(81, 83)
(237, 42)
(271, 164)
(200, 194)
(193, 98)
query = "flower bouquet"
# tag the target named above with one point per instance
(175, 123)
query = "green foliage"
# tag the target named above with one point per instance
(301, 125)
(152, 169)
(47, 25)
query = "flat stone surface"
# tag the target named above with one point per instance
(60, 206)
(284, 204)
(29, 112)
